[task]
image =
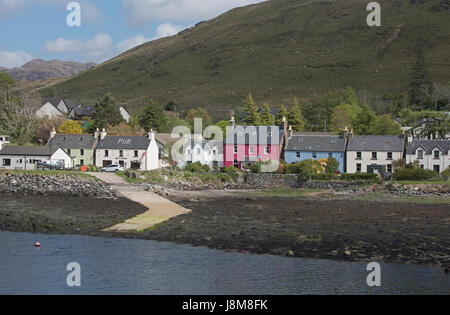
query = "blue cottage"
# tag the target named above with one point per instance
(315, 147)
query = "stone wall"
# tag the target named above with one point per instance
(54, 185)
(272, 180)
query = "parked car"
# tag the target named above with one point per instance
(113, 168)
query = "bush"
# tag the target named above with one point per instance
(196, 167)
(92, 168)
(324, 177)
(306, 168)
(408, 173)
(232, 171)
(361, 177)
(446, 173)
(332, 166)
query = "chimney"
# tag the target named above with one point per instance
(151, 135)
(346, 133)
(410, 136)
(103, 134)
(232, 121)
(97, 134)
(52, 133)
(351, 134)
(290, 132)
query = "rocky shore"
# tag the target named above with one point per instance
(54, 185)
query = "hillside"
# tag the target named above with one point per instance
(278, 50)
(38, 69)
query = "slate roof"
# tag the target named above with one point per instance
(52, 100)
(29, 150)
(124, 143)
(316, 143)
(376, 143)
(428, 146)
(81, 110)
(242, 135)
(72, 141)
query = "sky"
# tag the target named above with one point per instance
(32, 29)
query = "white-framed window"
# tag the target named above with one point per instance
(251, 149)
(298, 154)
(420, 154)
(235, 150)
(267, 150)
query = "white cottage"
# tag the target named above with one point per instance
(27, 157)
(373, 154)
(431, 154)
(205, 152)
(140, 152)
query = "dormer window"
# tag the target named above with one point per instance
(437, 154)
(420, 154)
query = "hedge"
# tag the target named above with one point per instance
(361, 176)
(413, 174)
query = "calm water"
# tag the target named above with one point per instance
(118, 266)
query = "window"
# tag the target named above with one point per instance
(82, 162)
(436, 154)
(374, 155)
(437, 169)
(358, 155)
(330, 155)
(251, 149)
(136, 153)
(199, 151)
(106, 153)
(298, 154)
(422, 166)
(389, 168)
(19, 161)
(235, 149)
(314, 155)
(215, 164)
(420, 154)
(267, 150)
(214, 151)
(389, 155)
(188, 151)
(236, 163)
(6, 162)
(120, 153)
(82, 152)
(358, 168)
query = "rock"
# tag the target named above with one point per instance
(291, 253)
(348, 253)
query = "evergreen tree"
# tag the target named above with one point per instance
(107, 112)
(152, 117)
(267, 118)
(295, 117)
(281, 113)
(251, 114)
(420, 83)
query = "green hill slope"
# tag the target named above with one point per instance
(277, 50)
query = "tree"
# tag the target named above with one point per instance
(198, 113)
(152, 117)
(282, 113)
(295, 117)
(426, 123)
(362, 123)
(251, 112)
(267, 118)
(6, 82)
(71, 127)
(171, 106)
(107, 112)
(17, 121)
(174, 121)
(318, 112)
(420, 82)
(223, 124)
(44, 125)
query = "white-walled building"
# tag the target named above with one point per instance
(206, 152)
(431, 154)
(27, 157)
(373, 154)
(3, 141)
(140, 152)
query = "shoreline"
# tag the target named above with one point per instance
(283, 226)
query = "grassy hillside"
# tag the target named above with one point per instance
(277, 50)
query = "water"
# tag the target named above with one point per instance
(120, 266)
